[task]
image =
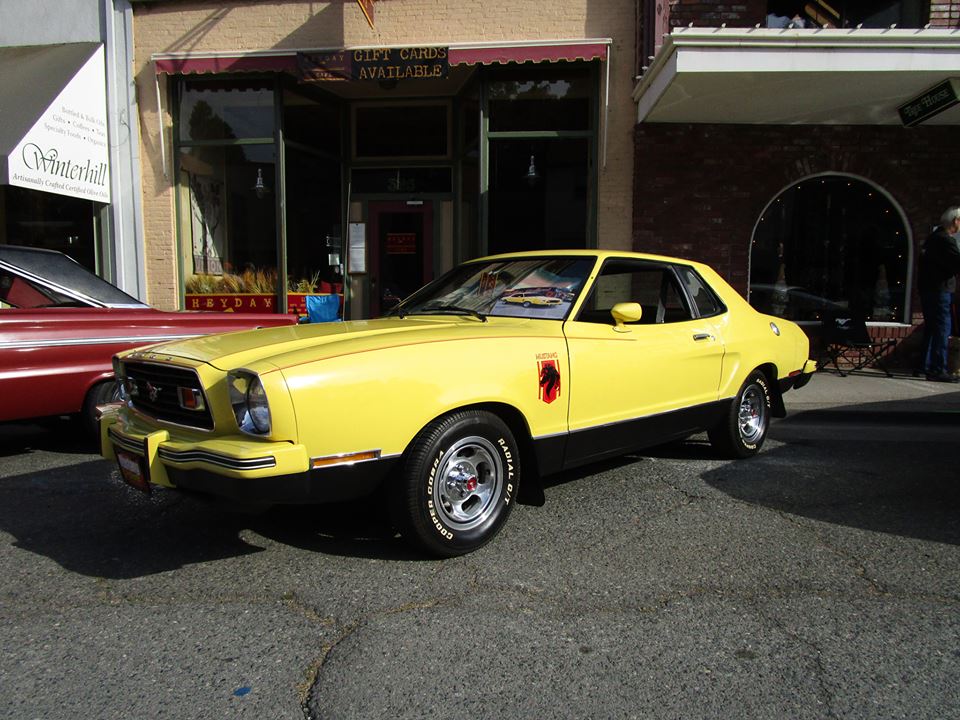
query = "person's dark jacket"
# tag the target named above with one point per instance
(939, 263)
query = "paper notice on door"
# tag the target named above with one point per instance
(357, 259)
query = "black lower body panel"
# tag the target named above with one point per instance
(330, 484)
(580, 447)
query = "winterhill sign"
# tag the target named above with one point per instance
(51, 173)
(377, 64)
(65, 152)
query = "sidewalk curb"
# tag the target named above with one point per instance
(877, 417)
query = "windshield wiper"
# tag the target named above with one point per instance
(455, 310)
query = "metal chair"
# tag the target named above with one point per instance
(846, 335)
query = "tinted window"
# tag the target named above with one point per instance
(702, 297)
(654, 287)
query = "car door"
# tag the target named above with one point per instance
(642, 382)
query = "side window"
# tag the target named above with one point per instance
(706, 302)
(674, 305)
(651, 285)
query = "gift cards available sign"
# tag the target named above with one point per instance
(66, 151)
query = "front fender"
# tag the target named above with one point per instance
(380, 400)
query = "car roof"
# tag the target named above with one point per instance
(64, 274)
(601, 254)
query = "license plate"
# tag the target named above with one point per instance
(132, 470)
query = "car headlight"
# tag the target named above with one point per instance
(249, 400)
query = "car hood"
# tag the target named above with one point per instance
(239, 349)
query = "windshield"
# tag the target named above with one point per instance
(542, 287)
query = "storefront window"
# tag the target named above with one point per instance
(228, 195)
(55, 222)
(237, 252)
(829, 245)
(226, 110)
(538, 194)
(553, 99)
(540, 139)
(229, 227)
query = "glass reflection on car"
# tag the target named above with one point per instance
(537, 288)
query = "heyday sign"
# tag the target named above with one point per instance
(66, 150)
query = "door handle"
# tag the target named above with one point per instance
(702, 336)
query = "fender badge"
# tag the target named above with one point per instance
(549, 380)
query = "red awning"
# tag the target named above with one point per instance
(197, 64)
(553, 52)
(458, 54)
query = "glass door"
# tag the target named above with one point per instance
(401, 255)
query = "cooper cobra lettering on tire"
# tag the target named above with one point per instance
(744, 428)
(460, 474)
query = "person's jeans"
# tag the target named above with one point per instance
(936, 331)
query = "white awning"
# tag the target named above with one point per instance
(796, 76)
(53, 120)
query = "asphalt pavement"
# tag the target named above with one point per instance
(817, 580)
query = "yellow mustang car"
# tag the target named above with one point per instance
(444, 408)
(531, 297)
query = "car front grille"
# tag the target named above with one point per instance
(155, 391)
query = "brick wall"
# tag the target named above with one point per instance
(207, 26)
(700, 189)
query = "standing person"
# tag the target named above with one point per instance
(936, 280)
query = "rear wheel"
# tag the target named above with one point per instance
(459, 481)
(744, 427)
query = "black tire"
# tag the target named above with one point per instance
(460, 477)
(100, 394)
(744, 428)
(526, 303)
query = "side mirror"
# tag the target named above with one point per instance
(628, 312)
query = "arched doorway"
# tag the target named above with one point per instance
(831, 243)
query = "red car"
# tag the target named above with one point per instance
(60, 326)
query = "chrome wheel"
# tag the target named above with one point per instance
(460, 475)
(468, 482)
(752, 415)
(743, 428)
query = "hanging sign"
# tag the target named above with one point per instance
(366, 6)
(66, 151)
(377, 64)
(319, 66)
(933, 101)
